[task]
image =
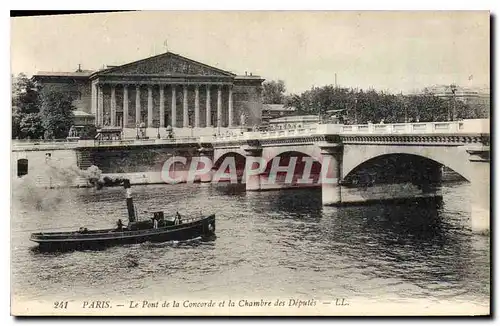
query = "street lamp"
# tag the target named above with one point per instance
(190, 116)
(453, 89)
(405, 108)
(142, 127)
(355, 110)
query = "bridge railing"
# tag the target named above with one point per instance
(42, 144)
(71, 144)
(464, 126)
(133, 141)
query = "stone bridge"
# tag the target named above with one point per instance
(410, 157)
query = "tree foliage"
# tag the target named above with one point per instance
(372, 106)
(273, 92)
(56, 114)
(25, 106)
(39, 113)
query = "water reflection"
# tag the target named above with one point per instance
(268, 243)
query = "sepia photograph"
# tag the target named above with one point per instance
(250, 163)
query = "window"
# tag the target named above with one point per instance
(22, 167)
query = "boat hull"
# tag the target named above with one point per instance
(204, 228)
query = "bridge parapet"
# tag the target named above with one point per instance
(479, 126)
(476, 126)
(66, 144)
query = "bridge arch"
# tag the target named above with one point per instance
(306, 167)
(269, 153)
(221, 153)
(239, 163)
(454, 158)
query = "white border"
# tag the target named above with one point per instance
(183, 5)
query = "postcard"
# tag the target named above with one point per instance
(251, 163)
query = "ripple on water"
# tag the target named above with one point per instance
(269, 243)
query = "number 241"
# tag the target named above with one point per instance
(61, 305)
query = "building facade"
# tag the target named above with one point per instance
(161, 91)
(273, 111)
(476, 97)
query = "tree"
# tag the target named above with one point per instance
(25, 101)
(56, 114)
(30, 126)
(273, 92)
(373, 106)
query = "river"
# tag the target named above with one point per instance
(274, 243)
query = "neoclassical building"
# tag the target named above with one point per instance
(160, 91)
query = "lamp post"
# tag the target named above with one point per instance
(142, 126)
(190, 116)
(405, 108)
(355, 110)
(453, 89)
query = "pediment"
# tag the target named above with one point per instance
(166, 64)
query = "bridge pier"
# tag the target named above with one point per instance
(480, 189)
(206, 153)
(331, 193)
(253, 169)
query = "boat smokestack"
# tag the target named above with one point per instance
(130, 201)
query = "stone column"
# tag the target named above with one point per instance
(93, 104)
(330, 174)
(100, 105)
(197, 106)
(125, 106)
(150, 106)
(174, 107)
(208, 112)
(219, 106)
(162, 106)
(230, 113)
(480, 189)
(185, 117)
(138, 104)
(113, 106)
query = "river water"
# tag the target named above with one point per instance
(275, 243)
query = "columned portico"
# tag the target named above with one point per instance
(161, 79)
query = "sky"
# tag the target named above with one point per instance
(391, 51)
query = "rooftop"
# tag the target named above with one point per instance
(83, 73)
(277, 107)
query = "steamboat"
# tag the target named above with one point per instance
(157, 228)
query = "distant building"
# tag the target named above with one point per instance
(474, 96)
(273, 111)
(160, 91)
(293, 122)
(81, 118)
